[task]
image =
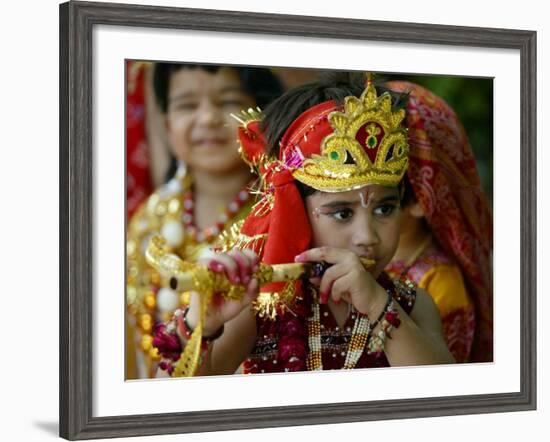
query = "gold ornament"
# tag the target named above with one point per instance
(146, 342)
(154, 354)
(245, 117)
(267, 305)
(146, 323)
(150, 300)
(185, 298)
(368, 123)
(155, 278)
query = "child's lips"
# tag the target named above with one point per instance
(210, 143)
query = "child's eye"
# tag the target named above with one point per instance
(231, 103)
(342, 214)
(184, 106)
(384, 209)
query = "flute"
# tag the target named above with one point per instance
(185, 276)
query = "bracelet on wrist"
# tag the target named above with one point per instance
(389, 300)
(186, 330)
(173, 337)
(389, 320)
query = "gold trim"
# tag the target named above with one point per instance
(332, 172)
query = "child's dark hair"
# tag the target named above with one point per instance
(331, 86)
(406, 191)
(260, 83)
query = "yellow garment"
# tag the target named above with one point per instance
(445, 285)
(143, 282)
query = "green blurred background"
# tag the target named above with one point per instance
(472, 100)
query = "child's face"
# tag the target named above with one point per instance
(365, 221)
(200, 129)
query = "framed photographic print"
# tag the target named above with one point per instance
(113, 59)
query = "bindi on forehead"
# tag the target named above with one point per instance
(362, 196)
(366, 198)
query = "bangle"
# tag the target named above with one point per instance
(186, 331)
(390, 321)
(181, 333)
(389, 300)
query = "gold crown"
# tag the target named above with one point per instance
(368, 146)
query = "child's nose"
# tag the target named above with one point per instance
(209, 113)
(365, 235)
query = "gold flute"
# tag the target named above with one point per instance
(185, 276)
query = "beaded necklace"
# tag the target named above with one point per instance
(362, 328)
(359, 337)
(207, 234)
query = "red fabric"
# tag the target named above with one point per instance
(458, 329)
(138, 179)
(306, 132)
(442, 171)
(362, 136)
(287, 206)
(252, 141)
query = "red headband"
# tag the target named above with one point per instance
(280, 217)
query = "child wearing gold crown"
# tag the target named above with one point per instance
(331, 158)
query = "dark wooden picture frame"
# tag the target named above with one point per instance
(77, 20)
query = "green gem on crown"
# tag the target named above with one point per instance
(334, 155)
(371, 141)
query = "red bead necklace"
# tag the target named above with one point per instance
(207, 234)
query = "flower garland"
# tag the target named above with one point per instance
(292, 349)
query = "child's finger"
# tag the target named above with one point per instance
(243, 264)
(331, 275)
(338, 297)
(253, 257)
(230, 267)
(328, 254)
(251, 291)
(216, 266)
(340, 291)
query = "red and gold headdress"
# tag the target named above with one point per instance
(336, 149)
(329, 147)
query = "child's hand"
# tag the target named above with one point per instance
(346, 280)
(238, 266)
